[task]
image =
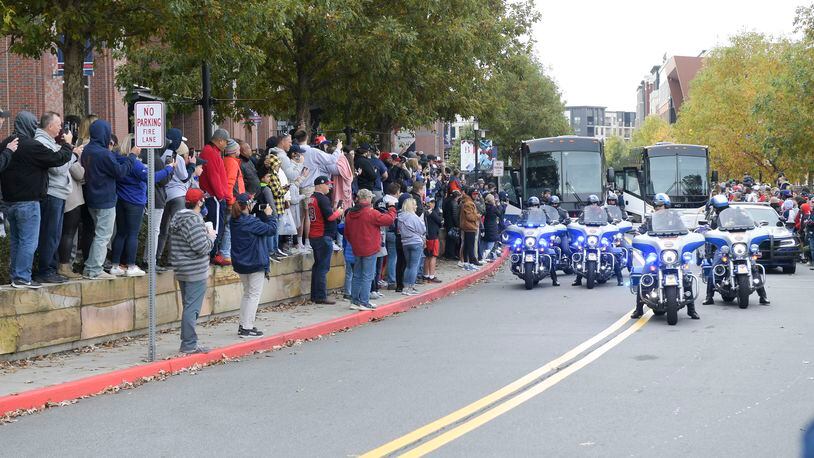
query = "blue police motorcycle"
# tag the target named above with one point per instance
(665, 283)
(592, 239)
(734, 268)
(621, 245)
(561, 259)
(534, 246)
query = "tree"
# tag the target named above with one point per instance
(522, 103)
(721, 110)
(618, 153)
(653, 130)
(75, 27)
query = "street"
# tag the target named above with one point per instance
(735, 383)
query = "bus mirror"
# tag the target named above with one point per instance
(611, 176)
(524, 150)
(715, 176)
(640, 176)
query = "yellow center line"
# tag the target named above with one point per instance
(496, 396)
(510, 404)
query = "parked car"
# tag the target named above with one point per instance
(783, 247)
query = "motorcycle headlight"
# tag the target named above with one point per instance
(592, 241)
(739, 249)
(725, 249)
(651, 258)
(505, 237)
(542, 242)
(687, 257)
(530, 242)
(754, 248)
(669, 256)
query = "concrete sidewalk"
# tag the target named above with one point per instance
(218, 333)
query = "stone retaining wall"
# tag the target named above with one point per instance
(74, 314)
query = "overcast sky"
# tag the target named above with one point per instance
(598, 51)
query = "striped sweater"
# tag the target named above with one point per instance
(189, 246)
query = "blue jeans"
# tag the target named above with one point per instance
(51, 214)
(192, 295)
(103, 219)
(412, 255)
(226, 244)
(24, 220)
(363, 270)
(323, 249)
(349, 275)
(215, 214)
(392, 257)
(128, 223)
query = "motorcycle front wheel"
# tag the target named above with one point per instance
(590, 274)
(671, 295)
(528, 275)
(743, 291)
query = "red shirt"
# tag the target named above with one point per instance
(322, 216)
(213, 180)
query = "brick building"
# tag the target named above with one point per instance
(35, 85)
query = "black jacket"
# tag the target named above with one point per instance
(433, 221)
(5, 154)
(366, 179)
(26, 176)
(490, 223)
(450, 212)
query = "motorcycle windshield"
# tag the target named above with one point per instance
(594, 215)
(615, 212)
(533, 217)
(735, 219)
(551, 213)
(667, 222)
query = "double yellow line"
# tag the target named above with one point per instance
(501, 400)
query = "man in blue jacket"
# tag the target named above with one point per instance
(102, 169)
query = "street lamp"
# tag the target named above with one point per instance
(475, 143)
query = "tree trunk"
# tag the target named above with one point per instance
(73, 92)
(385, 127)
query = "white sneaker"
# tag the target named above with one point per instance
(462, 264)
(382, 284)
(117, 271)
(337, 247)
(376, 295)
(133, 271)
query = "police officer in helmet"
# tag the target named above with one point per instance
(612, 201)
(593, 200)
(535, 213)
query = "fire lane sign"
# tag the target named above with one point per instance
(150, 124)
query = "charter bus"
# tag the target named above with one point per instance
(571, 167)
(680, 171)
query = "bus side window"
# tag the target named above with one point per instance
(632, 182)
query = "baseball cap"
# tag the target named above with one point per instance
(365, 147)
(322, 180)
(194, 195)
(4, 113)
(244, 197)
(384, 156)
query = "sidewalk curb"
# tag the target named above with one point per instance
(68, 391)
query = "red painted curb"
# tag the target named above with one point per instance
(67, 391)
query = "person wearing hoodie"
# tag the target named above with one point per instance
(175, 186)
(24, 186)
(53, 206)
(363, 225)
(190, 245)
(251, 257)
(213, 182)
(102, 170)
(272, 192)
(413, 231)
(132, 198)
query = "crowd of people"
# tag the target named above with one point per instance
(793, 205)
(84, 194)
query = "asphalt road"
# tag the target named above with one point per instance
(735, 383)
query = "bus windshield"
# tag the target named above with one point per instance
(565, 173)
(678, 175)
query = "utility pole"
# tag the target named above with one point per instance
(206, 101)
(476, 144)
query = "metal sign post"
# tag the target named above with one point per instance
(150, 133)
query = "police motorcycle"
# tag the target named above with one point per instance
(592, 239)
(534, 245)
(620, 243)
(664, 283)
(736, 241)
(560, 258)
